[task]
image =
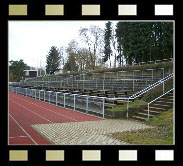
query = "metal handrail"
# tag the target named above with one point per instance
(133, 96)
(157, 99)
(74, 106)
(152, 86)
(146, 89)
(70, 78)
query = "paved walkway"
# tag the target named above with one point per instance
(88, 132)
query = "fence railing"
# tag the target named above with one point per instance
(147, 89)
(85, 103)
(92, 103)
(152, 62)
(114, 85)
(133, 74)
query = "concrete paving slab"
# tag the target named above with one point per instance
(88, 132)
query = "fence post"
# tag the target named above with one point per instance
(103, 108)
(64, 100)
(87, 104)
(26, 91)
(35, 94)
(44, 95)
(56, 98)
(74, 102)
(103, 84)
(39, 94)
(112, 85)
(148, 112)
(127, 108)
(133, 81)
(49, 97)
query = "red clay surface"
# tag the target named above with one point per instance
(25, 111)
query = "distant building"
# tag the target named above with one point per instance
(58, 71)
(30, 74)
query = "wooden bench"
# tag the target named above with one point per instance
(76, 92)
(122, 101)
(109, 105)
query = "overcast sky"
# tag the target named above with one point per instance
(31, 40)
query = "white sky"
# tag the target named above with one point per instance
(31, 40)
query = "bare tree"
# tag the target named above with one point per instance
(93, 39)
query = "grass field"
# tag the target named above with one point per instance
(161, 134)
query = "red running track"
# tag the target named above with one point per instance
(25, 111)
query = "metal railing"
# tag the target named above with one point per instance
(116, 85)
(152, 62)
(147, 89)
(47, 96)
(157, 99)
(162, 81)
(133, 74)
(93, 104)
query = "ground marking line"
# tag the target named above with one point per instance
(31, 111)
(48, 109)
(23, 130)
(62, 107)
(19, 136)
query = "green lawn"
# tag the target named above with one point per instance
(123, 107)
(161, 134)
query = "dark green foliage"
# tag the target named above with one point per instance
(53, 60)
(107, 41)
(16, 70)
(144, 41)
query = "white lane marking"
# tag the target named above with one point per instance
(23, 130)
(49, 110)
(18, 137)
(15, 96)
(31, 111)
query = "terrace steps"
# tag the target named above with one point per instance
(156, 108)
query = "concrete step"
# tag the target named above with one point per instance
(157, 109)
(139, 118)
(151, 112)
(166, 100)
(144, 115)
(169, 102)
(160, 105)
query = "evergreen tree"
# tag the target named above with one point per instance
(107, 42)
(144, 41)
(53, 60)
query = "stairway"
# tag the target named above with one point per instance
(156, 108)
